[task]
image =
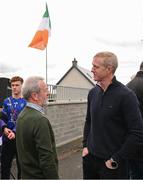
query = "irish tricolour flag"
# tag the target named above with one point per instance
(40, 39)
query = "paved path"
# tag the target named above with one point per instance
(71, 166)
(70, 160)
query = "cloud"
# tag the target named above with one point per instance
(5, 68)
(134, 43)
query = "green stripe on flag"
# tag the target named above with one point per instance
(46, 15)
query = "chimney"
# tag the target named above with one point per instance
(74, 62)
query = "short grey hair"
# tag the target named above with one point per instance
(109, 59)
(31, 85)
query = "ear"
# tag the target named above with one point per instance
(34, 96)
(110, 68)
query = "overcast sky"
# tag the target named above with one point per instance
(80, 29)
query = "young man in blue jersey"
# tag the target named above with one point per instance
(12, 106)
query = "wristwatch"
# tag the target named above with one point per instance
(114, 163)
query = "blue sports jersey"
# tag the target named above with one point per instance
(11, 108)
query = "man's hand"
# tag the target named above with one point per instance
(111, 164)
(108, 164)
(9, 133)
(85, 152)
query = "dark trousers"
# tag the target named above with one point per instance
(136, 169)
(7, 155)
(95, 168)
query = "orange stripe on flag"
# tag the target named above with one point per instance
(40, 40)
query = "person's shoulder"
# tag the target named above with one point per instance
(29, 112)
(33, 111)
(91, 92)
(93, 89)
(44, 117)
(38, 115)
(123, 88)
(23, 101)
(7, 100)
(41, 120)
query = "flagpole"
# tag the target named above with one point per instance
(40, 38)
(46, 66)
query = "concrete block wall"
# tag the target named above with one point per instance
(67, 120)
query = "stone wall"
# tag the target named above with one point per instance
(67, 120)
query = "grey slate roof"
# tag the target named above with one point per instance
(88, 74)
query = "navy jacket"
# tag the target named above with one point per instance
(114, 126)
